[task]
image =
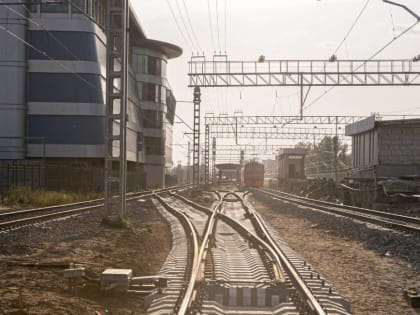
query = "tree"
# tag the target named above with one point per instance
(324, 155)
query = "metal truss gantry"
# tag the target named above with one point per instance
(279, 120)
(116, 104)
(224, 132)
(227, 73)
(268, 128)
(222, 72)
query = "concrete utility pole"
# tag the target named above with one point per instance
(117, 30)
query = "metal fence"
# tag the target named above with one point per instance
(62, 178)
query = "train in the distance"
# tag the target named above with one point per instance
(253, 174)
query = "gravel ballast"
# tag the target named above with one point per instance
(369, 265)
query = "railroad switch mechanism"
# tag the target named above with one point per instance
(412, 296)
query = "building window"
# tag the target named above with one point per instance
(63, 45)
(148, 65)
(65, 87)
(150, 92)
(154, 146)
(67, 129)
(152, 119)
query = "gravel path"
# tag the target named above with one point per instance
(369, 266)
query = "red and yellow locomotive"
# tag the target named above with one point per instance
(253, 174)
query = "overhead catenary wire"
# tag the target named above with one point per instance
(352, 27)
(190, 37)
(191, 26)
(178, 26)
(226, 36)
(370, 58)
(211, 26)
(217, 25)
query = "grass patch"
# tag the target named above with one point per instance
(117, 222)
(23, 196)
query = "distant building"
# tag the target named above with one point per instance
(389, 148)
(54, 110)
(291, 163)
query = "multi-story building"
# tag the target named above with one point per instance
(52, 89)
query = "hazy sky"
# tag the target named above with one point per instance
(284, 29)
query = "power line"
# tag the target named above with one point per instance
(183, 121)
(226, 26)
(178, 26)
(352, 26)
(370, 58)
(192, 28)
(185, 26)
(217, 24)
(211, 26)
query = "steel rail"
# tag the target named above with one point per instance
(390, 220)
(63, 210)
(45, 217)
(294, 276)
(199, 257)
(194, 258)
(243, 230)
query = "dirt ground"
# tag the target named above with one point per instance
(372, 282)
(83, 240)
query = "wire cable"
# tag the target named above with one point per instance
(226, 36)
(211, 26)
(185, 26)
(352, 26)
(191, 26)
(178, 26)
(370, 58)
(217, 24)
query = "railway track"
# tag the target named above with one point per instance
(16, 219)
(389, 220)
(239, 265)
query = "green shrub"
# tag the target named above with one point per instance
(23, 196)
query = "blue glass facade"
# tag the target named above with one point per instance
(63, 45)
(65, 87)
(68, 129)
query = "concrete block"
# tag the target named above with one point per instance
(116, 279)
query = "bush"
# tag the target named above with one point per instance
(23, 196)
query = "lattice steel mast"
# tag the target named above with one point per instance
(116, 104)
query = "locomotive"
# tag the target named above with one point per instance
(253, 174)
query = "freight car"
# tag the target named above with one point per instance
(253, 174)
